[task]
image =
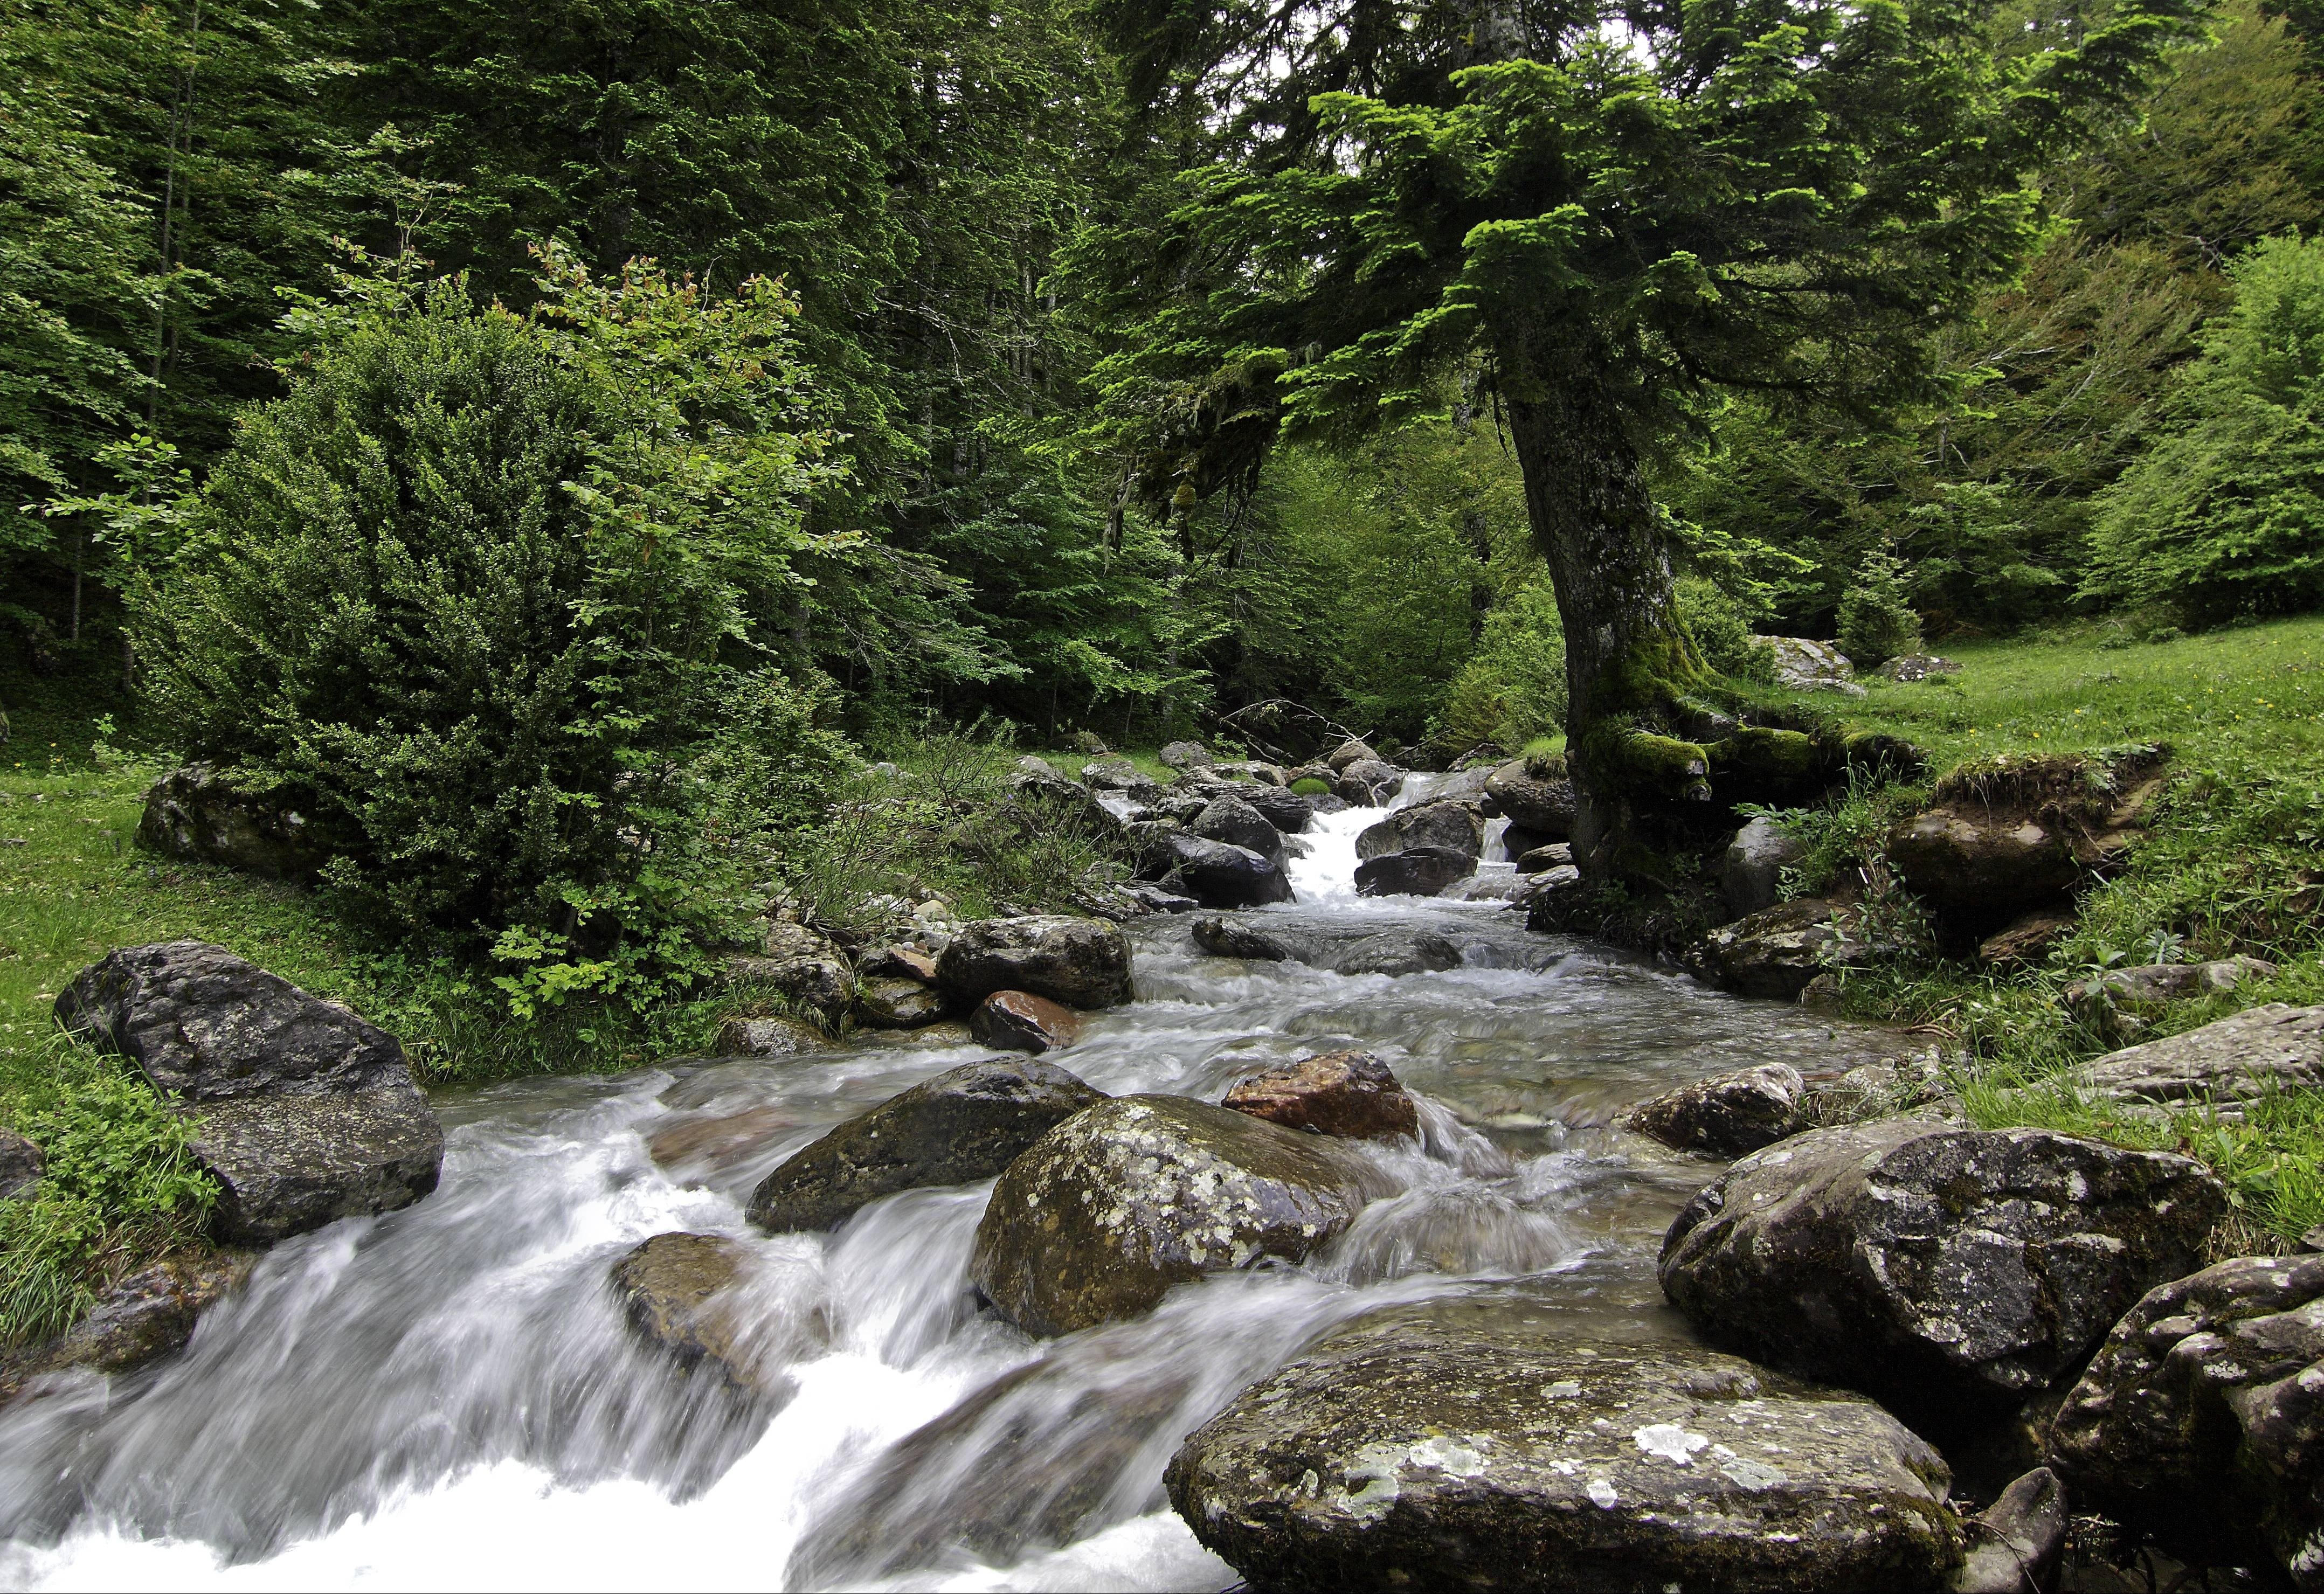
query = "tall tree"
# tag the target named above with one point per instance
(1617, 209)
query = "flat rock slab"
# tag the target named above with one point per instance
(1446, 1459)
(966, 1124)
(1102, 1215)
(1951, 1272)
(286, 1165)
(2258, 1050)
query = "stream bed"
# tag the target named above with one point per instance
(449, 1396)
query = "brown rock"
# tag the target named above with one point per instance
(1020, 1021)
(1350, 1095)
(711, 1144)
(1727, 1114)
(682, 1292)
(148, 1314)
(899, 962)
(2026, 942)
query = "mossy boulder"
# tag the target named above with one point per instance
(1102, 1215)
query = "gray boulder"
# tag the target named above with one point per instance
(1454, 826)
(1541, 860)
(1119, 774)
(963, 1125)
(1805, 665)
(2121, 1002)
(802, 966)
(2200, 1422)
(898, 1003)
(1751, 875)
(1398, 952)
(1231, 820)
(1186, 755)
(1226, 938)
(1282, 807)
(194, 815)
(1102, 1215)
(1368, 782)
(1402, 1458)
(2263, 1049)
(1417, 872)
(768, 1037)
(1982, 865)
(1220, 874)
(1350, 751)
(2018, 1540)
(1917, 666)
(1727, 1114)
(1777, 951)
(21, 1165)
(1949, 1272)
(1543, 805)
(304, 1113)
(1083, 962)
(147, 1315)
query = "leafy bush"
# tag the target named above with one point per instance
(1877, 623)
(480, 589)
(1722, 633)
(2225, 513)
(1512, 689)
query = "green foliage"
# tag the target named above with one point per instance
(483, 583)
(1722, 631)
(1876, 622)
(1512, 690)
(2225, 513)
(1311, 786)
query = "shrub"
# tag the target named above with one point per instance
(2225, 513)
(482, 588)
(1512, 689)
(1722, 633)
(1877, 623)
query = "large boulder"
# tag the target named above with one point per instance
(1353, 750)
(899, 1003)
(1220, 874)
(1282, 807)
(966, 1124)
(147, 1315)
(1454, 826)
(1982, 865)
(1227, 937)
(1777, 951)
(304, 1113)
(1102, 1215)
(1543, 805)
(193, 813)
(1417, 872)
(2121, 1002)
(1083, 962)
(1802, 664)
(1727, 1114)
(2256, 1052)
(1951, 1272)
(1750, 876)
(1186, 755)
(1368, 782)
(1351, 1094)
(2200, 1422)
(1397, 1457)
(682, 1294)
(1231, 820)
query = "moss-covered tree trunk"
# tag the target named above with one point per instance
(1628, 661)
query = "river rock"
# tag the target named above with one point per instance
(2200, 1422)
(1542, 804)
(1155, 899)
(898, 1004)
(193, 813)
(1220, 874)
(2119, 1000)
(1113, 1206)
(1231, 820)
(304, 1113)
(715, 1144)
(1451, 826)
(1949, 1272)
(1398, 951)
(1751, 875)
(1419, 871)
(1541, 860)
(20, 1165)
(903, 959)
(1457, 1458)
(1020, 1021)
(1226, 938)
(802, 966)
(2027, 940)
(768, 1037)
(1982, 865)
(963, 1125)
(2018, 1540)
(1186, 755)
(1350, 1095)
(1727, 1114)
(1083, 962)
(1777, 951)
(1283, 808)
(146, 1316)
(678, 1292)
(1351, 751)
(1369, 782)
(2273, 1047)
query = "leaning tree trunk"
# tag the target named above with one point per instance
(1628, 662)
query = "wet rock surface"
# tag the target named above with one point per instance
(1220, 874)
(1727, 1114)
(1951, 1272)
(1083, 962)
(1102, 1215)
(1445, 1458)
(1397, 953)
(1776, 951)
(1231, 820)
(2201, 1418)
(288, 1164)
(1417, 872)
(2265, 1048)
(1283, 808)
(966, 1124)
(899, 1003)
(1351, 1094)
(145, 1316)
(1542, 804)
(194, 815)
(681, 1293)
(1020, 1021)
(1369, 782)
(1454, 826)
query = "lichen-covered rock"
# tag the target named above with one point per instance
(2262, 1049)
(148, 1314)
(1228, 818)
(2016, 1543)
(966, 1124)
(1020, 1021)
(1802, 664)
(1750, 877)
(1454, 1458)
(1454, 826)
(1351, 1094)
(1727, 1114)
(899, 1003)
(1951, 1272)
(1543, 805)
(2200, 1422)
(193, 813)
(683, 1292)
(20, 1165)
(1083, 962)
(1369, 782)
(768, 1037)
(1417, 872)
(1777, 951)
(1102, 1215)
(1220, 874)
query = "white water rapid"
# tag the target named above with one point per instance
(448, 1396)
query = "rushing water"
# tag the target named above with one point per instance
(448, 1396)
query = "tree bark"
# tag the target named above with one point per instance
(1627, 660)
